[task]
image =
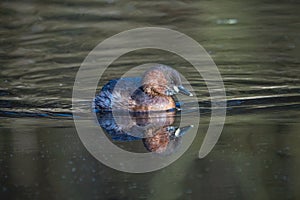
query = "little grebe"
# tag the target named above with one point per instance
(152, 92)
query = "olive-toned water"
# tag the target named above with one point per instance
(255, 45)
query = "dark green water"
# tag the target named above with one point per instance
(255, 45)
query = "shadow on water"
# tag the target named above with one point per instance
(255, 45)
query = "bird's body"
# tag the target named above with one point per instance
(152, 92)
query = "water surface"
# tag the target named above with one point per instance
(255, 45)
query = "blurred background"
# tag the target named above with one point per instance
(255, 45)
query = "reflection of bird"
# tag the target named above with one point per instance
(160, 142)
(152, 92)
(165, 140)
(154, 129)
(136, 126)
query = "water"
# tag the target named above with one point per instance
(256, 47)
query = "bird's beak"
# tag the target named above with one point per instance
(183, 90)
(181, 131)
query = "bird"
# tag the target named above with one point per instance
(153, 91)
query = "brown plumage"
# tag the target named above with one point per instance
(151, 92)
